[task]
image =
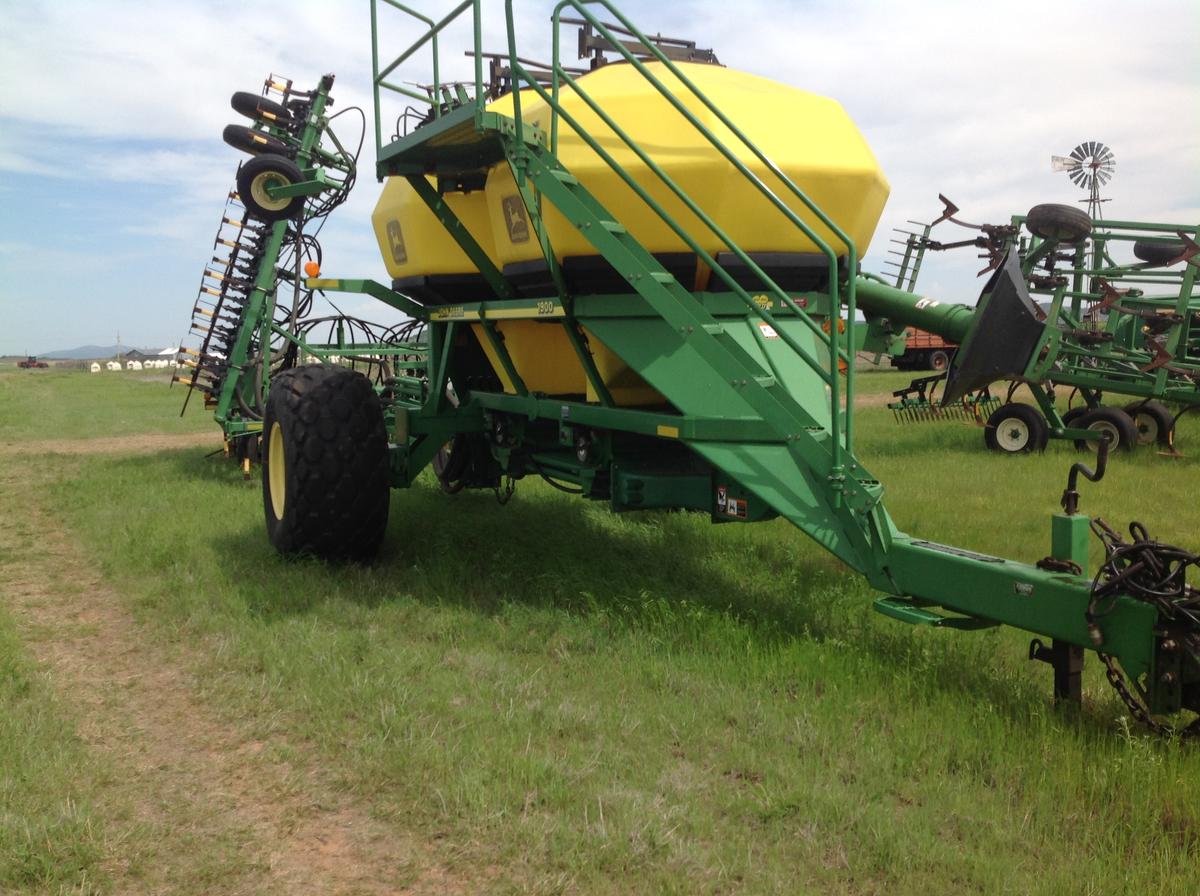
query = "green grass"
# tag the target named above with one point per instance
(50, 837)
(72, 404)
(589, 703)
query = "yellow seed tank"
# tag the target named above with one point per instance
(810, 138)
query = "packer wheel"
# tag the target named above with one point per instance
(1157, 253)
(1071, 415)
(1155, 424)
(252, 105)
(325, 469)
(1114, 423)
(1016, 428)
(254, 142)
(259, 174)
(1058, 223)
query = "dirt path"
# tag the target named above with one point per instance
(198, 806)
(143, 443)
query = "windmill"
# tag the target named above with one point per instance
(1090, 165)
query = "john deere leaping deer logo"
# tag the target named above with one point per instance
(515, 218)
(396, 241)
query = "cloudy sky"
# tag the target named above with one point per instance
(112, 169)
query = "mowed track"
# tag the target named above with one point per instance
(199, 795)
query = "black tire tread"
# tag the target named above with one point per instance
(254, 142)
(1162, 415)
(252, 105)
(1156, 253)
(337, 471)
(283, 166)
(1127, 438)
(1039, 431)
(1060, 223)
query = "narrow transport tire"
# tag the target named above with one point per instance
(939, 360)
(1016, 428)
(259, 174)
(254, 142)
(325, 469)
(1153, 421)
(1071, 415)
(258, 107)
(1058, 223)
(1157, 253)
(1114, 423)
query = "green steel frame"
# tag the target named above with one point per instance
(754, 427)
(1099, 314)
(238, 329)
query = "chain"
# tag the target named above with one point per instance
(1135, 706)
(1152, 572)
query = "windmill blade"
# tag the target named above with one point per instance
(1105, 155)
(1063, 163)
(1078, 153)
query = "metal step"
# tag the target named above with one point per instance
(907, 610)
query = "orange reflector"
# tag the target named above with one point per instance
(312, 269)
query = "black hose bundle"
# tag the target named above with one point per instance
(1145, 570)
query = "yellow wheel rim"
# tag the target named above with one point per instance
(258, 190)
(276, 470)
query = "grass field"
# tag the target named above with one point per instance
(543, 697)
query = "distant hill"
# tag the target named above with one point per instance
(88, 352)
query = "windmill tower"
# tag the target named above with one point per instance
(1090, 165)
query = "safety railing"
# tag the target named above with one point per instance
(435, 93)
(837, 338)
(562, 77)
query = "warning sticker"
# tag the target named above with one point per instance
(768, 331)
(735, 507)
(927, 303)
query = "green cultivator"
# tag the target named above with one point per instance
(638, 284)
(252, 316)
(1119, 315)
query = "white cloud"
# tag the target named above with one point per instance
(960, 98)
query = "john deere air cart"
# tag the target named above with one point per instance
(637, 282)
(1097, 308)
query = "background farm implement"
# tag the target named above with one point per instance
(1103, 308)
